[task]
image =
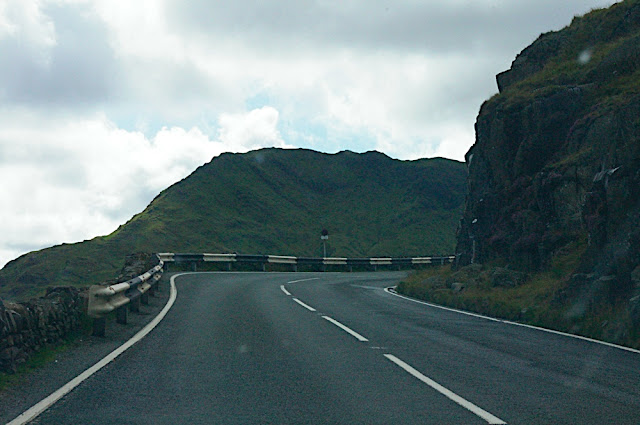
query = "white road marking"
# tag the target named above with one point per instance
(43, 405)
(304, 280)
(304, 305)
(468, 313)
(508, 322)
(365, 287)
(284, 290)
(346, 329)
(446, 392)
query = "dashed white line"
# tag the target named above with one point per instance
(304, 280)
(308, 307)
(285, 290)
(353, 333)
(446, 392)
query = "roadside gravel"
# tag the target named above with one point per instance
(88, 350)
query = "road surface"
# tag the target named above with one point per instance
(325, 348)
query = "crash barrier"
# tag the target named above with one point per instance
(103, 300)
(348, 263)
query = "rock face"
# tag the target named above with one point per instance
(556, 162)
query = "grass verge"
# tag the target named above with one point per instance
(543, 299)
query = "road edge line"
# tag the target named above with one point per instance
(40, 407)
(509, 322)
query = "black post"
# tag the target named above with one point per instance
(99, 326)
(121, 315)
(134, 305)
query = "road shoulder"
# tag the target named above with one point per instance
(87, 350)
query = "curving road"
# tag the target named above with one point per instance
(336, 348)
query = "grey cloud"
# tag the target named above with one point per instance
(439, 27)
(82, 66)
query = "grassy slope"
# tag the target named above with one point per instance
(271, 202)
(608, 36)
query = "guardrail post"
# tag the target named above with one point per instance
(121, 315)
(134, 305)
(99, 326)
(230, 263)
(152, 290)
(144, 298)
(194, 266)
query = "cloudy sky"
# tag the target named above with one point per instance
(105, 103)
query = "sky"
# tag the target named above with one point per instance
(105, 103)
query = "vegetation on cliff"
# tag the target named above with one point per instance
(272, 201)
(553, 176)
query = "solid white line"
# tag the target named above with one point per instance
(446, 392)
(304, 305)
(304, 280)
(509, 322)
(284, 290)
(346, 329)
(43, 405)
(467, 313)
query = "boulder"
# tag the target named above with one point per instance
(457, 287)
(502, 277)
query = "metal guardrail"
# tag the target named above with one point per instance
(128, 295)
(104, 300)
(407, 262)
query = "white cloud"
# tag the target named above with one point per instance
(68, 179)
(24, 20)
(253, 130)
(105, 103)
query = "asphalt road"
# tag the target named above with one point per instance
(336, 348)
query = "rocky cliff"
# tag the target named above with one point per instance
(555, 168)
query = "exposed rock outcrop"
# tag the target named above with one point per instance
(556, 163)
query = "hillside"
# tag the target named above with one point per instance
(553, 209)
(272, 201)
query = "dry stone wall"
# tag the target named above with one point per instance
(26, 328)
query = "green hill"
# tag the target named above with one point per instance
(271, 201)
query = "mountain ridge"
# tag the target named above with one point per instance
(272, 201)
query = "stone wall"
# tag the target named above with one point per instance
(26, 328)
